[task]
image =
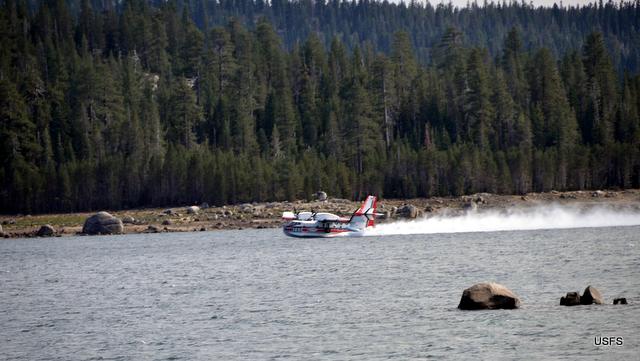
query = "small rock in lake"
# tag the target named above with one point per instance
(621, 301)
(571, 299)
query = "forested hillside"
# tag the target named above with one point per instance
(560, 29)
(136, 105)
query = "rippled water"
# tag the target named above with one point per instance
(258, 295)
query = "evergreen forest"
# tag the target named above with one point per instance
(120, 104)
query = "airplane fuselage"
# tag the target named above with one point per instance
(319, 229)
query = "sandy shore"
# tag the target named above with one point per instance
(267, 215)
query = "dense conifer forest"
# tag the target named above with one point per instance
(112, 105)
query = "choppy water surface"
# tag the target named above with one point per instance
(258, 295)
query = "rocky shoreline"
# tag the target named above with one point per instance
(267, 215)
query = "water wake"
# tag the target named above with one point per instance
(529, 218)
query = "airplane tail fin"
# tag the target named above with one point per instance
(365, 216)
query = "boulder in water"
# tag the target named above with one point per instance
(591, 295)
(102, 223)
(622, 301)
(46, 231)
(571, 299)
(490, 296)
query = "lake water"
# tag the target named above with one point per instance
(258, 295)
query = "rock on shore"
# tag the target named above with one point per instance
(128, 220)
(193, 210)
(102, 223)
(46, 231)
(321, 196)
(408, 211)
(490, 296)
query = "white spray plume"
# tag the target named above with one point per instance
(528, 218)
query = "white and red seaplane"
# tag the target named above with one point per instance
(314, 224)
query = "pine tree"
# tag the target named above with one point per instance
(479, 111)
(183, 114)
(601, 89)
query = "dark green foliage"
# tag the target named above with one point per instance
(150, 104)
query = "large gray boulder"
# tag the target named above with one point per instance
(488, 296)
(321, 196)
(590, 296)
(46, 231)
(102, 223)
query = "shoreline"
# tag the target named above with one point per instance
(267, 214)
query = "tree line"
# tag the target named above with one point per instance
(136, 105)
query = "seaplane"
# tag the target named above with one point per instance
(315, 224)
